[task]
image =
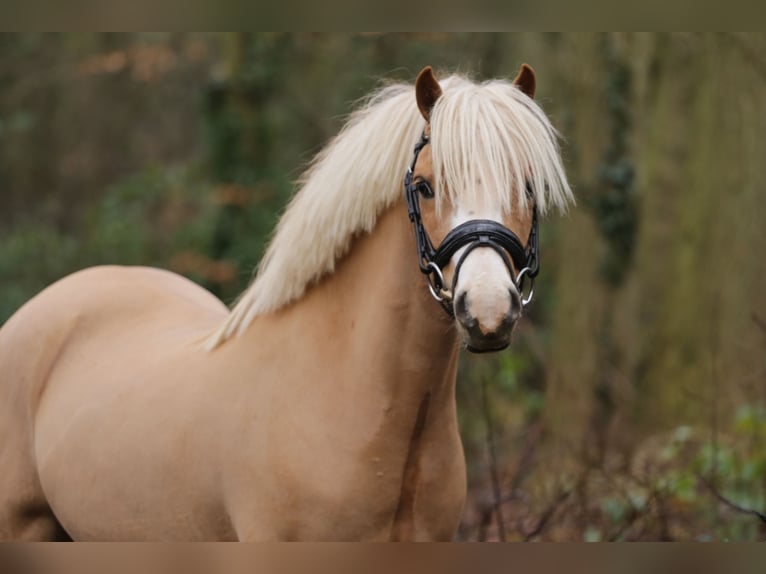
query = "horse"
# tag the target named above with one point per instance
(135, 405)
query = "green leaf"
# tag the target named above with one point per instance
(592, 534)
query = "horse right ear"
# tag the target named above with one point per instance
(526, 81)
(427, 91)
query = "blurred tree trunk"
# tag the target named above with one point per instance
(697, 278)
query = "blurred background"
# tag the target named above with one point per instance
(632, 404)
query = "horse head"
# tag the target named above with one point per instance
(471, 191)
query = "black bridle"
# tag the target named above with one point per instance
(471, 234)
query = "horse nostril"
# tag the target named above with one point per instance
(515, 311)
(461, 306)
(515, 299)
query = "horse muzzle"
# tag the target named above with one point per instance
(486, 331)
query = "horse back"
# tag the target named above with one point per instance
(89, 304)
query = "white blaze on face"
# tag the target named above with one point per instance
(484, 277)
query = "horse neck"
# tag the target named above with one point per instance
(374, 314)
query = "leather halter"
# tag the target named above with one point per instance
(471, 234)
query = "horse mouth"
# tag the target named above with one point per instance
(478, 342)
(487, 349)
(488, 343)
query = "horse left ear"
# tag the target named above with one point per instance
(526, 81)
(427, 91)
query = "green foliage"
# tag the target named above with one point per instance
(615, 508)
(592, 534)
(750, 421)
(734, 465)
(30, 258)
(143, 220)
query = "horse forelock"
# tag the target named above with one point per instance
(494, 133)
(490, 131)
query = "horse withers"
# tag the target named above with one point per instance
(135, 406)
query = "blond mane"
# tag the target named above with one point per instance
(490, 130)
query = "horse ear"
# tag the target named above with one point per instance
(526, 81)
(427, 91)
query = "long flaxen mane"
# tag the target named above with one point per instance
(490, 131)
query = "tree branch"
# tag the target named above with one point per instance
(730, 503)
(547, 515)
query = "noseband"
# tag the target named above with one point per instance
(471, 234)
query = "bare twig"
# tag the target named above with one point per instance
(636, 513)
(512, 485)
(524, 464)
(730, 503)
(487, 511)
(493, 469)
(547, 515)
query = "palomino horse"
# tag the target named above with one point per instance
(134, 405)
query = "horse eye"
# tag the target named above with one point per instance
(530, 191)
(424, 188)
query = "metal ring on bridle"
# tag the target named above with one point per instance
(438, 279)
(520, 286)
